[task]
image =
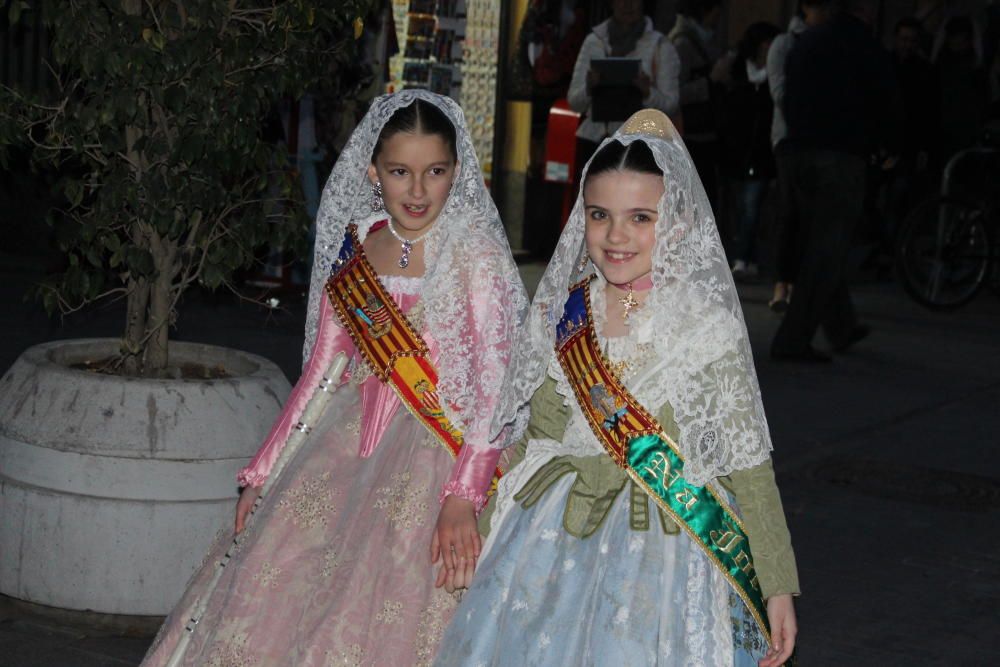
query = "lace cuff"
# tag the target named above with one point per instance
(250, 477)
(459, 490)
(471, 475)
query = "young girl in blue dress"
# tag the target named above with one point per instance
(641, 524)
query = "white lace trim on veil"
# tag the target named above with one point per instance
(471, 295)
(691, 327)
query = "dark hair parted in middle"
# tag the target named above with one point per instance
(421, 117)
(616, 156)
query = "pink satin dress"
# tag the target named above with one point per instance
(335, 567)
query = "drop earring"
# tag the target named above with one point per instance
(378, 204)
(583, 262)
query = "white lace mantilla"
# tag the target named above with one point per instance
(695, 353)
(471, 295)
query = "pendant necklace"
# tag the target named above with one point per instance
(629, 302)
(406, 244)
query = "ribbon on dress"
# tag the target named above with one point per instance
(388, 343)
(634, 439)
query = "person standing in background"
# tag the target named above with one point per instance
(787, 251)
(541, 68)
(841, 107)
(920, 93)
(699, 81)
(627, 34)
(747, 162)
(964, 86)
(991, 55)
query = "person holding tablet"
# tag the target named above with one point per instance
(627, 36)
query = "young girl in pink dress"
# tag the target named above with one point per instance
(336, 566)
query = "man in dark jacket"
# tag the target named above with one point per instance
(920, 103)
(693, 35)
(841, 107)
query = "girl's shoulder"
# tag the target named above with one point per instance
(484, 243)
(701, 330)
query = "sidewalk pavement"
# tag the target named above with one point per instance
(886, 459)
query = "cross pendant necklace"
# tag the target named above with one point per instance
(629, 303)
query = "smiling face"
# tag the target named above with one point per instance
(416, 171)
(620, 210)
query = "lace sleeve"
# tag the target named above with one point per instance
(475, 321)
(330, 340)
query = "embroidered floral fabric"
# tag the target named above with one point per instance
(333, 569)
(542, 596)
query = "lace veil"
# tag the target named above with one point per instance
(472, 296)
(692, 341)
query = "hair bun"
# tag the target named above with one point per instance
(650, 121)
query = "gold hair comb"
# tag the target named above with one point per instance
(652, 122)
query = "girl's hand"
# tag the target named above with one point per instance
(446, 580)
(781, 615)
(243, 506)
(456, 542)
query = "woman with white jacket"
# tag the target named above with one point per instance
(627, 34)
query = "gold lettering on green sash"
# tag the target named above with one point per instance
(743, 562)
(686, 498)
(659, 468)
(725, 540)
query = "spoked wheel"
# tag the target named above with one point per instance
(943, 253)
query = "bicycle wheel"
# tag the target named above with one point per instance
(943, 253)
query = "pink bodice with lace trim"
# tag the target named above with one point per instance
(473, 469)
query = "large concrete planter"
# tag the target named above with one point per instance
(111, 489)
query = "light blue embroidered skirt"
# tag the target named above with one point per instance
(618, 597)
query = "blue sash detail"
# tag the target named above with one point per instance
(574, 313)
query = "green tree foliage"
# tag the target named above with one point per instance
(155, 127)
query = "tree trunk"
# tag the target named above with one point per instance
(135, 325)
(138, 288)
(158, 323)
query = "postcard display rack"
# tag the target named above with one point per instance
(450, 47)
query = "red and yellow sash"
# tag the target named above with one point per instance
(387, 341)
